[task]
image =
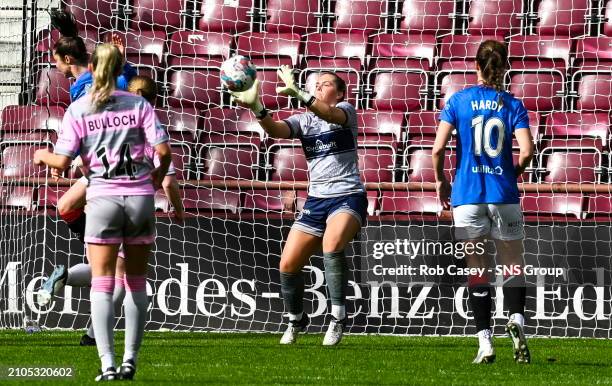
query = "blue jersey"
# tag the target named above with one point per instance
(82, 85)
(485, 169)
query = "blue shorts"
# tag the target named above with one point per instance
(317, 212)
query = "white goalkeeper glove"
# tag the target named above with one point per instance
(285, 73)
(250, 99)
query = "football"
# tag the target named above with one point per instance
(238, 73)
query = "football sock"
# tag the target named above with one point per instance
(514, 294)
(79, 275)
(103, 318)
(136, 304)
(292, 288)
(480, 301)
(337, 281)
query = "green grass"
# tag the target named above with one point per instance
(211, 358)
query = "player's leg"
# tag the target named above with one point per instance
(508, 234)
(347, 214)
(471, 225)
(70, 208)
(300, 246)
(140, 226)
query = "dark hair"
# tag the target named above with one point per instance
(340, 83)
(70, 43)
(146, 86)
(492, 58)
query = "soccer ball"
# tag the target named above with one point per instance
(238, 73)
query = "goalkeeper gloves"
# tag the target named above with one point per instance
(285, 73)
(250, 99)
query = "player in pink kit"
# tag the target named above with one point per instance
(110, 129)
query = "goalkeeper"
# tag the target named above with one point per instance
(336, 206)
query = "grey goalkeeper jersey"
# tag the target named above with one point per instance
(331, 152)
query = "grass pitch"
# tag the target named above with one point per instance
(212, 358)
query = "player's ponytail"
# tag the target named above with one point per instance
(107, 63)
(143, 86)
(70, 43)
(492, 58)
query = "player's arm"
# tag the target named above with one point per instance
(526, 149)
(171, 188)
(437, 156)
(55, 161)
(250, 99)
(66, 148)
(165, 157)
(321, 109)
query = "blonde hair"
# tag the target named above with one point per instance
(107, 63)
(144, 86)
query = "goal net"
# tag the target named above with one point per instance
(242, 189)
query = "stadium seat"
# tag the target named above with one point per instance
(329, 50)
(458, 52)
(600, 206)
(229, 16)
(94, 13)
(224, 160)
(52, 88)
(236, 126)
(422, 127)
(396, 90)
(193, 48)
(495, 17)
(206, 200)
(403, 202)
(300, 17)
(534, 127)
(593, 53)
(269, 49)
(157, 14)
(286, 161)
(16, 161)
(593, 91)
(564, 129)
(30, 122)
(395, 51)
(18, 197)
(539, 52)
(359, 16)
(180, 122)
(427, 17)
(269, 201)
(451, 83)
(418, 166)
(563, 17)
(539, 91)
(553, 205)
(376, 162)
(199, 88)
(569, 165)
(380, 126)
(183, 160)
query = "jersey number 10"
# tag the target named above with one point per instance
(489, 125)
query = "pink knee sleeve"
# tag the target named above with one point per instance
(103, 284)
(135, 283)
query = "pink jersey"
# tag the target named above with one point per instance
(112, 143)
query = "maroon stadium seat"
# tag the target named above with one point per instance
(422, 127)
(359, 16)
(427, 17)
(329, 50)
(398, 90)
(182, 159)
(376, 162)
(563, 17)
(458, 52)
(180, 122)
(593, 91)
(236, 126)
(538, 91)
(539, 52)
(196, 88)
(53, 88)
(418, 164)
(287, 161)
(276, 201)
(17, 197)
(403, 51)
(193, 48)
(25, 122)
(205, 200)
(379, 125)
(452, 83)
(229, 16)
(16, 161)
(553, 205)
(600, 205)
(258, 46)
(298, 17)
(571, 166)
(223, 161)
(402, 202)
(93, 13)
(495, 17)
(157, 14)
(534, 127)
(268, 82)
(594, 53)
(577, 130)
